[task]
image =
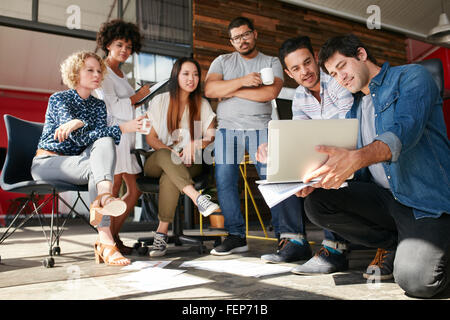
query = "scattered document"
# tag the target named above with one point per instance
(236, 267)
(139, 265)
(158, 279)
(274, 193)
(151, 275)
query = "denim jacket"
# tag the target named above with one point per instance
(409, 119)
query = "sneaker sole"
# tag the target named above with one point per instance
(157, 253)
(309, 273)
(268, 260)
(211, 210)
(235, 250)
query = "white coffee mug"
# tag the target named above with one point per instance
(145, 126)
(267, 76)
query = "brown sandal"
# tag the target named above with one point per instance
(99, 249)
(114, 208)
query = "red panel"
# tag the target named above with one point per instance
(444, 55)
(25, 105)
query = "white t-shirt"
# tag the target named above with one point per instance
(368, 133)
(237, 113)
(157, 113)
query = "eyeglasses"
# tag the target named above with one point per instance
(244, 36)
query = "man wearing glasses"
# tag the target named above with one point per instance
(243, 114)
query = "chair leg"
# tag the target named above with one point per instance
(7, 232)
(73, 211)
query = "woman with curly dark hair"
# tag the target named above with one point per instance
(119, 39)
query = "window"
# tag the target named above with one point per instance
(153, 68)
(77, 14)
(20, 9)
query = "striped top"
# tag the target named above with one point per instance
(335, 102)
(67, 105)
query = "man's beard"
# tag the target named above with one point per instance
(249, 51)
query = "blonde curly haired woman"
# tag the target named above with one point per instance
(77, 146)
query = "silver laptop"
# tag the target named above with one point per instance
(291, 153)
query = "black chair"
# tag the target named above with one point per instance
(23, 138)
(434, 66)
(150, 188)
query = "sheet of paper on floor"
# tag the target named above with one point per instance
(240, 268)
(158, 279)
(139, 265)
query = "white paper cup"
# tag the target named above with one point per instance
(145, 126)
(267, 76)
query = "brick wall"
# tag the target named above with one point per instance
(277, 21)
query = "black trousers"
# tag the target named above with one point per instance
(364, 213)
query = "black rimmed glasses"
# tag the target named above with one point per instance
(245, 36)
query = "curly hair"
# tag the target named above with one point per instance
(71, 66)
(119, 29)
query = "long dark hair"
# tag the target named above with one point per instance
(195, 98)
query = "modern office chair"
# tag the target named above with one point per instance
(150, 189)
(23, 137)
(434, 66)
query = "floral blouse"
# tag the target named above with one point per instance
(67, 105)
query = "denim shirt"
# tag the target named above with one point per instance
(409, 119)
(65, 106)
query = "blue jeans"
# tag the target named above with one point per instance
(230, 147)
(328, 235)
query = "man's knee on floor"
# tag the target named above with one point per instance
(417, 271)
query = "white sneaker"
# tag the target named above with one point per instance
(205, 205)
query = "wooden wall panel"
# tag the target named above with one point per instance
(277, 21)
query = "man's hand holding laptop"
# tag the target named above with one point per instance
(340, 165)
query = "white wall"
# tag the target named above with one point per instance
(31, 60)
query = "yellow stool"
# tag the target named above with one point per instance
(248, 192)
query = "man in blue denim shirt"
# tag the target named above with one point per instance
(400, 199)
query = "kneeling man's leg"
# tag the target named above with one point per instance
(358, 213)
(421, 265)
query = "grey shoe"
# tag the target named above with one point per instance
(159, 247)
(288, 252)
(205, 205)
(323, 262)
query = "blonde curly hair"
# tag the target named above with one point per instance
(71, 66)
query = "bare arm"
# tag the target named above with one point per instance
(154, 142)
(262, 93)
(342, 163)
(143, 91)
(216, 87)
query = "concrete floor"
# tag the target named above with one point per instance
(76, 276)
